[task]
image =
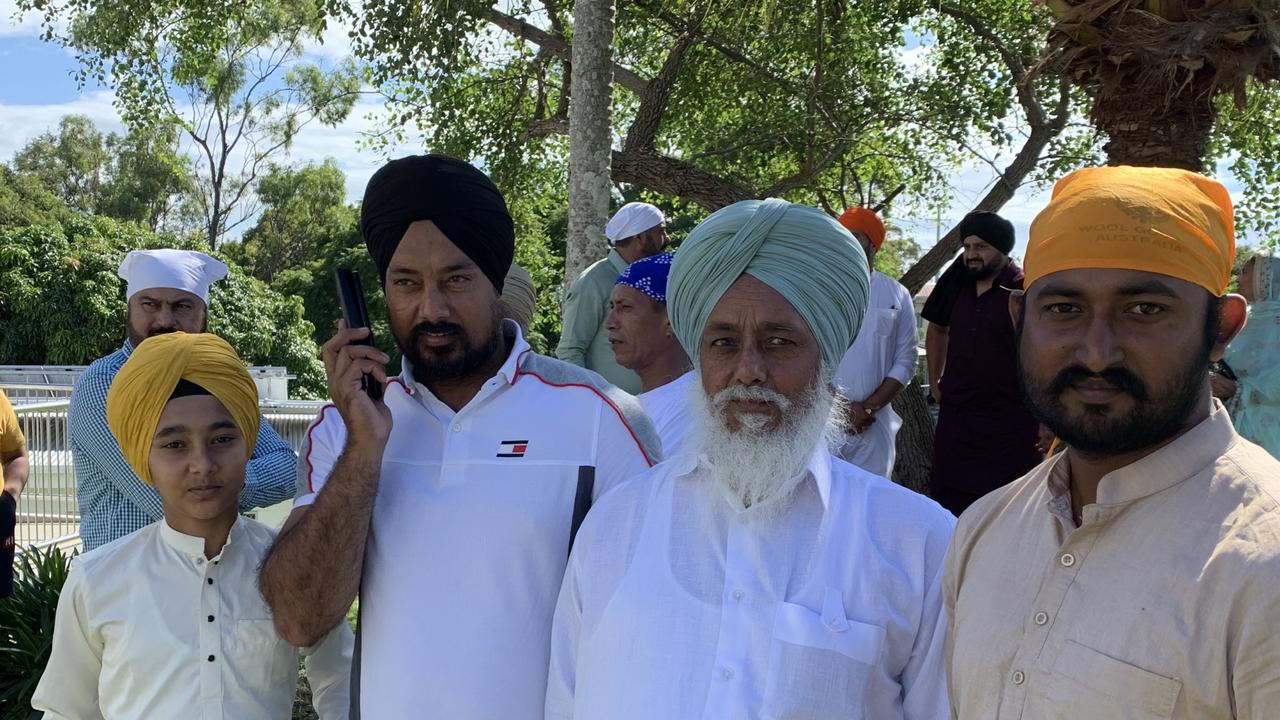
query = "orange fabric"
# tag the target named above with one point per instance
(862, 220)
(1160, 220)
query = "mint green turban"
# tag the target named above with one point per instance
(803, 253)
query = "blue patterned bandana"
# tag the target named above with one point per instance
(649, 275)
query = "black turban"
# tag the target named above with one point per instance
(995, 230)
(462, 201)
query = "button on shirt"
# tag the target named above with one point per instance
(887, 346)
(470, 532)
(113, 501)
(1163, 603)
(680, 603)
(670, 407)
(148, 628)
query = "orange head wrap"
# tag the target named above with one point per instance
(1160, 220)
(862, 220)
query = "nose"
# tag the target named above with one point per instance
(611, 320)
(433, 304)
(164, 318)
(751, 368)
(1100, 347)
(201, 462)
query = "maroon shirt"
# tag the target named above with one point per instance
(986, 437)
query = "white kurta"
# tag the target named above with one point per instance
(677, 603)
(671, 410)
(886, 347)
(147, 628)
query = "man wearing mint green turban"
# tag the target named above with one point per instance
(759, 575)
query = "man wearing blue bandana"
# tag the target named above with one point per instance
(643, 342)
(757, 575)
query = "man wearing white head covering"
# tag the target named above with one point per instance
(166, 291)
(759, 576)
(638, 230)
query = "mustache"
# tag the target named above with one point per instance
(1116, 376)
(438, 328)
(753, 393)
(154, 331)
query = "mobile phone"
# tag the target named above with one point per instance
(356, 313)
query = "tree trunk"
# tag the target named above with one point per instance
(590, 133)
(1149, 128)
(914, 460)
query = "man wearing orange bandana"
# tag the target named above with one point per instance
(882, 359)
(1136, 574)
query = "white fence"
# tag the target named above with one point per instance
(49, 512)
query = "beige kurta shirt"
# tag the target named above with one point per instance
(1164, 603)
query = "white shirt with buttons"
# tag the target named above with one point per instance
(470, 531)
(148, 628)
(680, 603)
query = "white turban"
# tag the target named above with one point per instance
(631, 220)
(185, 270)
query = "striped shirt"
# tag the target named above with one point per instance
(113, 501)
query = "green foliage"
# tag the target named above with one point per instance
(26, 628)
(24, 201)
(61, 301)
(138, 177)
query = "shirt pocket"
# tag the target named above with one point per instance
(1088, 684)
(884, 320)
(819, 669)
(264, 661)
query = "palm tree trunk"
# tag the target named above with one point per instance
(1155, 129)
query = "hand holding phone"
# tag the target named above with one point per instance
(356, 314)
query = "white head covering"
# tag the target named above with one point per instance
(631, 220)
(185, 270)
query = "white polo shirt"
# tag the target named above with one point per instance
(470, 532)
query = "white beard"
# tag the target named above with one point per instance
(762, 467)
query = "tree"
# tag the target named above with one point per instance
(590, 139)
(24, 201)
(228, 74)
(304, 211)
(71, 163)
(1154, 68)
(138, 177)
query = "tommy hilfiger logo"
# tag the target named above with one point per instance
(513, 448)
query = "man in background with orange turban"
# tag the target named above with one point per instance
(882, 359)
(167, 622)
(1135, 574)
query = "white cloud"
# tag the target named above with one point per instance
(16, 24)
(20, 123)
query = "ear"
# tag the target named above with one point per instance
(1235, 312)
(666, 327)
(1017, 299)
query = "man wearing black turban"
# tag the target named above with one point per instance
(985, 438)
(450, 504)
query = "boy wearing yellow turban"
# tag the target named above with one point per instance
(168, 622)
(1134, 574)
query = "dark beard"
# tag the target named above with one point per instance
(988, 270)
(460, 358)
(1156, 417)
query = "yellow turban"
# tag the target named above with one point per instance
(1160, 220)
(144, 385)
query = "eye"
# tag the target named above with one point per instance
(1061, 308)
(776, 341)
(722, 342)
(174, 445)
(1147, 309)
(182, 307)
(458, 279)
(149, 304)
(224, 439)
(402, 282)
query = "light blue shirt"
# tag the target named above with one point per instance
(113, 501)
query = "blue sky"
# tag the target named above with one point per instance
(37, 88)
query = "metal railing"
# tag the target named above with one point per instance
(49, 511)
